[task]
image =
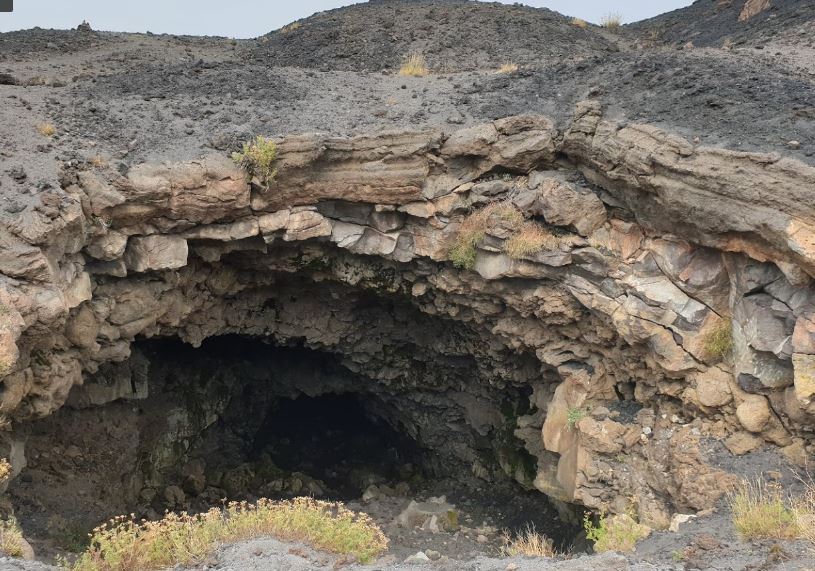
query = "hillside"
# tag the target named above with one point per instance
(453, 35)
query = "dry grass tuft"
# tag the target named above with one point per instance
(530, 239)
(612, 20)
(181, 539)
(98, 161)
(414, 66)
(46, 129)
(473, 229)
(761, 511)
(528, 543)
(5, 470)
(508, 68)
(804, 510)
(291, 27)
(11, 538)
(580, 23)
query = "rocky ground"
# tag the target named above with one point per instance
(723, 74)
(130, 97)
(707, 542)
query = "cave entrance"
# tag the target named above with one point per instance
(181, 428)
(335, 439)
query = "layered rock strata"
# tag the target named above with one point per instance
(671, 305)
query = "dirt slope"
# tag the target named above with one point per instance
(710, 23)
(453, 35)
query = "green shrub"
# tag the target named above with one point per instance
(619, 532)
(573, 416)
(258, 158)
(718, 341)
(760, 511)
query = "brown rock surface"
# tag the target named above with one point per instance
(614, 310)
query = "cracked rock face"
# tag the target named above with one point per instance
(671, 303)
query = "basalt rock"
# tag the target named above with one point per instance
(657, 246)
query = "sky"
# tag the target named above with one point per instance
(251, 18)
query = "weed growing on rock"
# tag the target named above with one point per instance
(619, 532)
(804, 510)
(470, 233)
(5, 470)
(530, 239)
(528, 543)
(508, 68)
(98, 161)
(46, 129)
(573, 416)
(612, 20)
(473, 229)
(580, 23)
(414, 66)
(124, 544)
(761, 511)
(290, 27)
(258, 158)
(11, 538)
(718, 341)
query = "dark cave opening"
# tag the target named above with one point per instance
(335, 439)
(241, 418)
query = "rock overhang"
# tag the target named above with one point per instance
(659, 243)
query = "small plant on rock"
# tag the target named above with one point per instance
(574, 415)
(530, 239)
(414, 66)
(182, 539)
(804, 510)
(528, 543)
(612, 20)
(508, 68)
(98, 161)
(718, 341)
(11, 538)
(290, 27)
(473, 229)
(761, 511)
(46, 129)
(5, 470)
(580, 23)
(619, 532)
(258, 158)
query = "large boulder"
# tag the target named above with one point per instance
(754, 413)
(437, 515)
(562, 203)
